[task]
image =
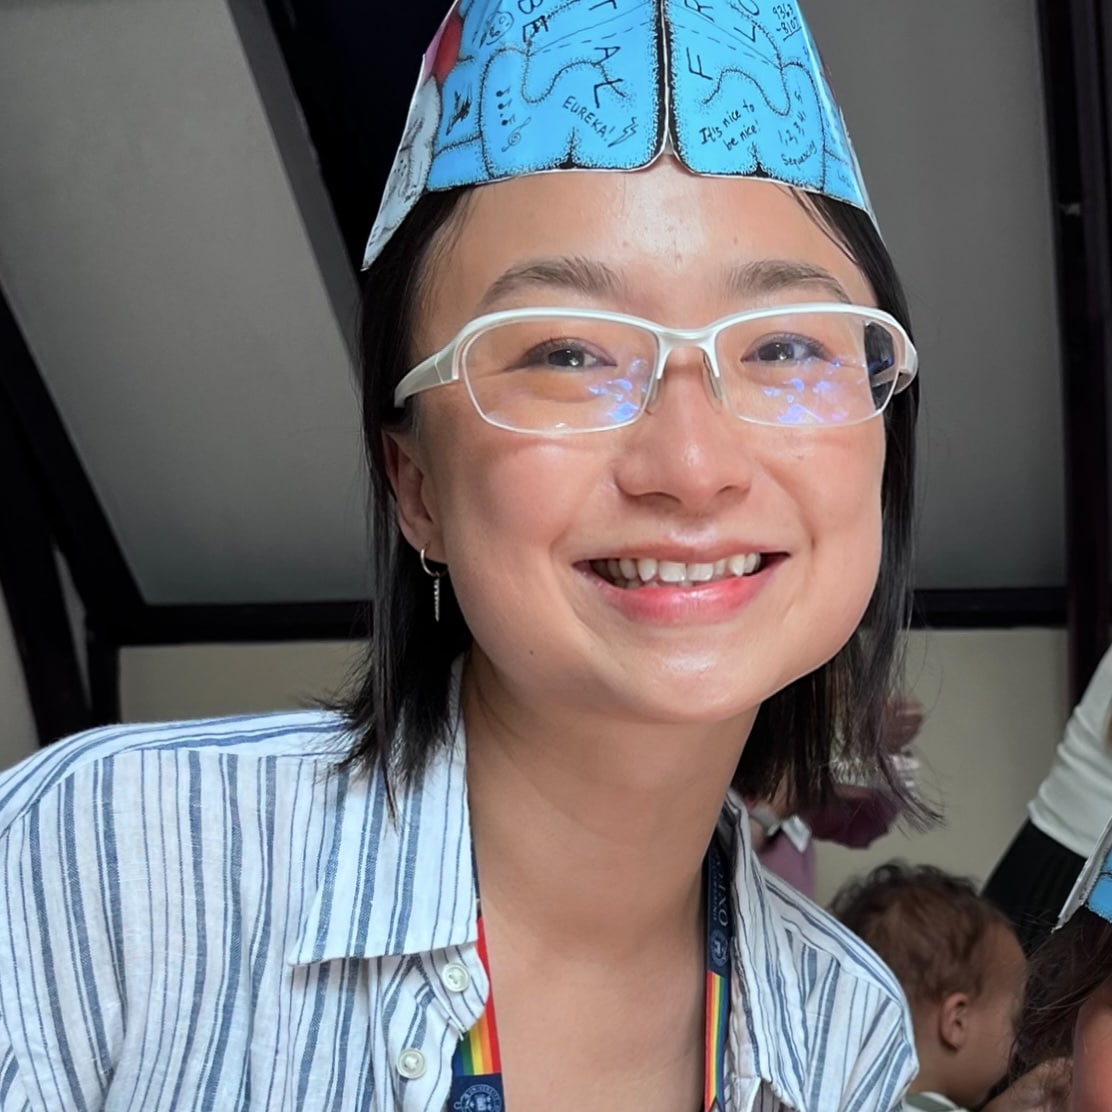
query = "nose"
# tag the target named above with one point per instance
(674, 360)
(687, 448)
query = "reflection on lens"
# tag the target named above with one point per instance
(560, 373)
(805, 368)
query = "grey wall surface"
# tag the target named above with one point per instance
(159, 266)
(944, 101)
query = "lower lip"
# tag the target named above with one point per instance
(678, 606)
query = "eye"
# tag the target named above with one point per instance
(787, 349)
(565, 355)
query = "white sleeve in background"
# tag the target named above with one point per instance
(1074, 802)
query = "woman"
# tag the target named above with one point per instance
(625, 571)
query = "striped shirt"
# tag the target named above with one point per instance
(209, 915)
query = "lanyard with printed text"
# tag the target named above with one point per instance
(477, 1062)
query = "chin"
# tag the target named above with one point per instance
(687, 693)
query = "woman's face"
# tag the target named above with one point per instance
(523, 521)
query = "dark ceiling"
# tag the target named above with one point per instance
(354, 67)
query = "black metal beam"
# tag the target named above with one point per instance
(1078, 91)
(33, 593)
(353, 68)
(998, 608)
(77, 521)
(254, 622)
(102, 658)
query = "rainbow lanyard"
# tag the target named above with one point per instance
(477, 1063)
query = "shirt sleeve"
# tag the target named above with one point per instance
(58, 1013)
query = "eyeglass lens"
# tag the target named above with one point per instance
(582, 374)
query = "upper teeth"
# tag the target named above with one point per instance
(630, 572)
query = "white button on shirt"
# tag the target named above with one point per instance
(209, 915)
(411, 1064)
(455, 977)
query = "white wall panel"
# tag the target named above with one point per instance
(996, 705)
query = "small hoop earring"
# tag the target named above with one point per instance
(436, 577)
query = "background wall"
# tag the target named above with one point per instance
(166, 683)
(944, 102)
(996, 703)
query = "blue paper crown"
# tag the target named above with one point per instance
(513, 87)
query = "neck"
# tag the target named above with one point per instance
(932, 1077)
(590, 833)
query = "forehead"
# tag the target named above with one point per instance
(672, 237)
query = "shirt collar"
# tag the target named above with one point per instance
(406, 885)
(395, 885)
(765, 1023)
(932, 1102)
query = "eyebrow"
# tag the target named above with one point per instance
(595, 279)
(768, 276)
(574, 273)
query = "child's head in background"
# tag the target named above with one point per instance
(959, 963)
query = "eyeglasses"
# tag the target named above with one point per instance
(566, 371)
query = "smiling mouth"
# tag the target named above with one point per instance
(632, 574)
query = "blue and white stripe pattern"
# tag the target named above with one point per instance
(207, 915)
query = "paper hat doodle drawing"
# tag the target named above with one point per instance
(513, 87)
(1094, 886)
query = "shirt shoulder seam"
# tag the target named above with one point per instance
(38, 778)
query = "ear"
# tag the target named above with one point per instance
(953, 1020)
(408, 474)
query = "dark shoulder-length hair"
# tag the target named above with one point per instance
(398, 712)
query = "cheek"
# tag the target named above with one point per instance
(504, 505)
(516, 497)
(836, 489)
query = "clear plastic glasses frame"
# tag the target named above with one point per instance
(551, 400)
